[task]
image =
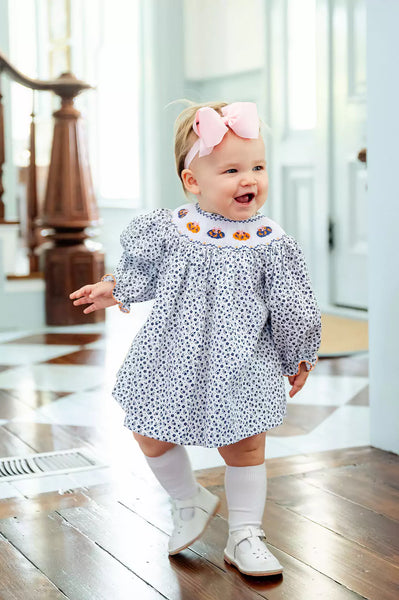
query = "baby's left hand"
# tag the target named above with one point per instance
(299, 380)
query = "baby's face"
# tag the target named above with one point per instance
(232, 181)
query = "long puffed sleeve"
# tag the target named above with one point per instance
(295, 319)
(136, 275)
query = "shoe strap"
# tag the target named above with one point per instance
(187, 503)
(250, 531)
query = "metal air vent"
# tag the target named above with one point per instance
(47, 463)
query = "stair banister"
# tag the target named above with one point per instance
(70, 209)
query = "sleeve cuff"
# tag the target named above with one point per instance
(294, 368)
(123, 307)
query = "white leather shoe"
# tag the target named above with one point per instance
(205, 505)
(254, 560)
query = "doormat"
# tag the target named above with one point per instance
(341, 336)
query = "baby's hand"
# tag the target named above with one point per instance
(98, 295)
(299, 380)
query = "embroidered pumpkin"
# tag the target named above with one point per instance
(241, 235)
(263, 231)
(194, 227)
(216, 233)
(182, 212)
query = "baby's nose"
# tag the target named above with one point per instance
(248, 179)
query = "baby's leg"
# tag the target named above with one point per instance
(247, 452)
(171, 465)
(192, 505)
(245, 481)
(151, 446)
(245, 484)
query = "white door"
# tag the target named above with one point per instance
(348, 137)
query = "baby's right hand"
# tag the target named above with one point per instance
(98, 295)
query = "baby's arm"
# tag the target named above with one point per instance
(298, 381)
(98, 295)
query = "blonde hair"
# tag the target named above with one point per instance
(184, 134)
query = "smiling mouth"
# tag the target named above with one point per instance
(245, 199)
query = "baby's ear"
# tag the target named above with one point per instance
(189, 181)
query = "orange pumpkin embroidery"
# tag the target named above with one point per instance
(241, 235)
(194, 227)
(182, 213)
(216, 233)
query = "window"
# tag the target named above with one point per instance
(106, 54)
(98, 40)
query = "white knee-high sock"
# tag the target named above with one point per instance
(246, 495)
(174, 472)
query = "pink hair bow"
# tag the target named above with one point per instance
(210, 126)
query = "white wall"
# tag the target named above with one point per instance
(382, 159)
(223, 37)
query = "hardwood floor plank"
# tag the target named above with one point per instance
(74, 339)
(299, 582)
(46, 437)
(355, 485)
(35, 398)
(358, 524)
(351, 565)
(12, 445)
(142, 547)
(304, 463)
(80, 357)
(20, 579)
(11, 407)
(42, 503)
(316, 461)
(77, 566)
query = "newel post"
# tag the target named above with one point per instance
(71, 260)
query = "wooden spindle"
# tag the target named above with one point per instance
(2, 156)
(32, 204)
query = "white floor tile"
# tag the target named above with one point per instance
(7, 490)
(6, 336)
(21, 354)
(83, 408)
(67, 378)
(92, 477)
(327, 390)
(346, 427)
(47, 483)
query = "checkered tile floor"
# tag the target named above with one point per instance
(59, 379)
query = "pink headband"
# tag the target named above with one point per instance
(210, 126)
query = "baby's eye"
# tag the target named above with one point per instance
(231, 171)
(258, 168)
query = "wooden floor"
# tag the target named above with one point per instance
(331, 519)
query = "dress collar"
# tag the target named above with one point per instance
(217, 217)
(212, 229)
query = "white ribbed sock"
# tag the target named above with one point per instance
(246, 495)
(174, 473)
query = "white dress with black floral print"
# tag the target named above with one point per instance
(234, 311)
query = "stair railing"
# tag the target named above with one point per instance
(70, 211)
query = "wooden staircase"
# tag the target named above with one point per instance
(55, 237)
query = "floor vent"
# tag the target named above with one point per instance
(47, 463)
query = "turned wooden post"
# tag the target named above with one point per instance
(2, 155)
(32, 203)
(69, 208)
